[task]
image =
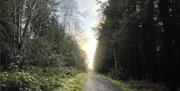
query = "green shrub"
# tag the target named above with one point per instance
(36, 79)
(19, 79)
(48, 83)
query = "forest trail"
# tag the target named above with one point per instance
(96, 82)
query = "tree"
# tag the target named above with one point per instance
(31, 34)
(142, 35)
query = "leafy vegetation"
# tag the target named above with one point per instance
(19, 80)
(38, 46)
(42, 79)
(32, 34)
(75, 83)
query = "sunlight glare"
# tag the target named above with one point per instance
(89, 46)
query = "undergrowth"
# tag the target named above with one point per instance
(74, 83)
(136, 85)
(36, 79)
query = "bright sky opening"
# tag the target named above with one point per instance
(88, 40)
(89, 47)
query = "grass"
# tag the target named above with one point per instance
(136, 85)
(75, 83)
(121, 84)
(42, 79)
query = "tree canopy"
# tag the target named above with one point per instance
(32, 34)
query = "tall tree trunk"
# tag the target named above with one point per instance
(115, 59)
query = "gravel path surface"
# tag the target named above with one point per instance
(96, 82)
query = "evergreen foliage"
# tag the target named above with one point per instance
(139, 39)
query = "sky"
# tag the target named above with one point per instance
(89, 21)
(89, 7)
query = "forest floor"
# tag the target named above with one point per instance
(68, 79)
(97, 82)
(34, 78)
(73, 83)
(134, 85)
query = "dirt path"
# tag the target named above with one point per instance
(98, 83)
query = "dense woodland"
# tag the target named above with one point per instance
(137, 40)
(140, 40)
(37, 39)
